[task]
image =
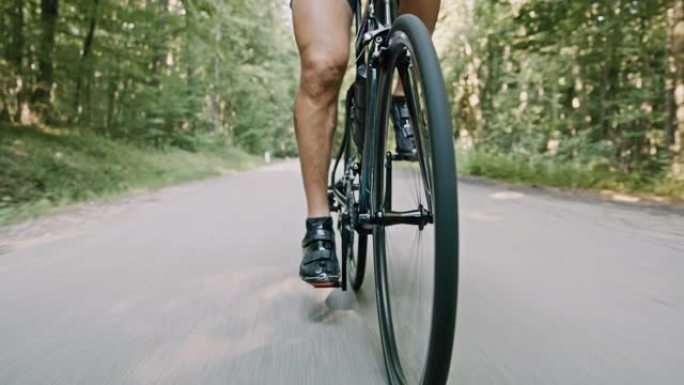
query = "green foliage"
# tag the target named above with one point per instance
(148, 93)
(544, 171)
(582, 83)
(164, 73)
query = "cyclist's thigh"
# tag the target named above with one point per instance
(426, 10)
(322, 30)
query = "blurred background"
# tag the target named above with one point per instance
(101, 96)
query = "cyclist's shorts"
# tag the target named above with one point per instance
(352, 5)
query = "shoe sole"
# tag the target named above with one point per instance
(331, 281)
(323, 285)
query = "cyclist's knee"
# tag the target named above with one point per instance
(322, 75)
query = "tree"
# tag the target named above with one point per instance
(49, 11)
(85, 57)
(169, 72)
(581, 82)
(676, 19)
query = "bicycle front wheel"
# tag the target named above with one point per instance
(416, 265)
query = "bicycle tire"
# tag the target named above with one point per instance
(354, 244)
(410, 39)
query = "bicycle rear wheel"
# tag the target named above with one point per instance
(416, 266)
(354, 244)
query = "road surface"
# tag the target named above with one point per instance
(197, 284)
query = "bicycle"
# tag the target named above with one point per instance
(366, 201)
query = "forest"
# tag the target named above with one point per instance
(582, 94)
(590, 86)
(162, 72)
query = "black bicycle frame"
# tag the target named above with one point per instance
(372, 30)
(371, 26)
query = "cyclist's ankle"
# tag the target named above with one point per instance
(318, 212)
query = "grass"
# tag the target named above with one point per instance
(546, 172)
(42, 169)
(45, 169)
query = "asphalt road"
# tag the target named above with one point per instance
(198, 284)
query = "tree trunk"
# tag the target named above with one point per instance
(190, 62)
(49, 10)
(15, 54)
(676, 17)
(217, 70)
(159, 49)
(15, 48)
(85, 57)
(111, 102)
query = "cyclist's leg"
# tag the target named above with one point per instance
(322, 31)
(427, 11)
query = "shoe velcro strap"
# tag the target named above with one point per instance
(318, 235)
(317, 256)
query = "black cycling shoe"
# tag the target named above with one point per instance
(319, 265)
(406, 148)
